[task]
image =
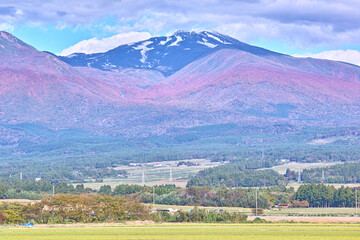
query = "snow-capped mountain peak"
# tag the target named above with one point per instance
(165, 54)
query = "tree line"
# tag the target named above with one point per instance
(321, 195)
(339, 173)
(90, 208)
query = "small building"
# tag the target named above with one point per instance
(284, 205)
(279, 204)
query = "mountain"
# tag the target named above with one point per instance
(164, 84)
(164, 54)
(190, 95)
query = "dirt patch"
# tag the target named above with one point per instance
(308, 219)
(140, 222)
(84, 225)
(18, 200)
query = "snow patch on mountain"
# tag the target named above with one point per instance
(206, 43)
(216, 38)
(143, 49)
(176, 43)
(165, 41)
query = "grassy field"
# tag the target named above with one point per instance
(189, 231)
(157, 173)
(296, 166)
(296, 185)
(312, 211)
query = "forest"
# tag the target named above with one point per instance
(239, 174)
(340, 173)
(95, 157)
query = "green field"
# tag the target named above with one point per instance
(189, 231)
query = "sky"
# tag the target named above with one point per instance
(317, 28)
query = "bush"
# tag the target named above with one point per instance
(260, 211)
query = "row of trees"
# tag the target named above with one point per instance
(34, 190)
(201, 215)
(68, 208)
(320, 195)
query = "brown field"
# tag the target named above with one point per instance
(23, 201)
(306, 219)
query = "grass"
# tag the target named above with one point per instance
(297, 166)
(189, 231)
(296, 185)
(312, 211)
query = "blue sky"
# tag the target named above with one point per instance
(320, 28)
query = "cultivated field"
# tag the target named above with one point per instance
(188, 231)
(157, 173)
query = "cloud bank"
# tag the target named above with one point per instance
(349, 56)
(95, 45)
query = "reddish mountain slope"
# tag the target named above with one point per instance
(240, 82)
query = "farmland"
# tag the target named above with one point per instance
(330, 211)
(157, 173)
(187, 231)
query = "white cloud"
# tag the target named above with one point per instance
(6, 27)
(95, 45)
(350, 56)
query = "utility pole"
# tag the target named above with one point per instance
(323, 176)
(21, 177)
(299, 179)
(256, 203)
(356, 204)
(53, 190)
(171, 177)
(143, 177)
(154, 209)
